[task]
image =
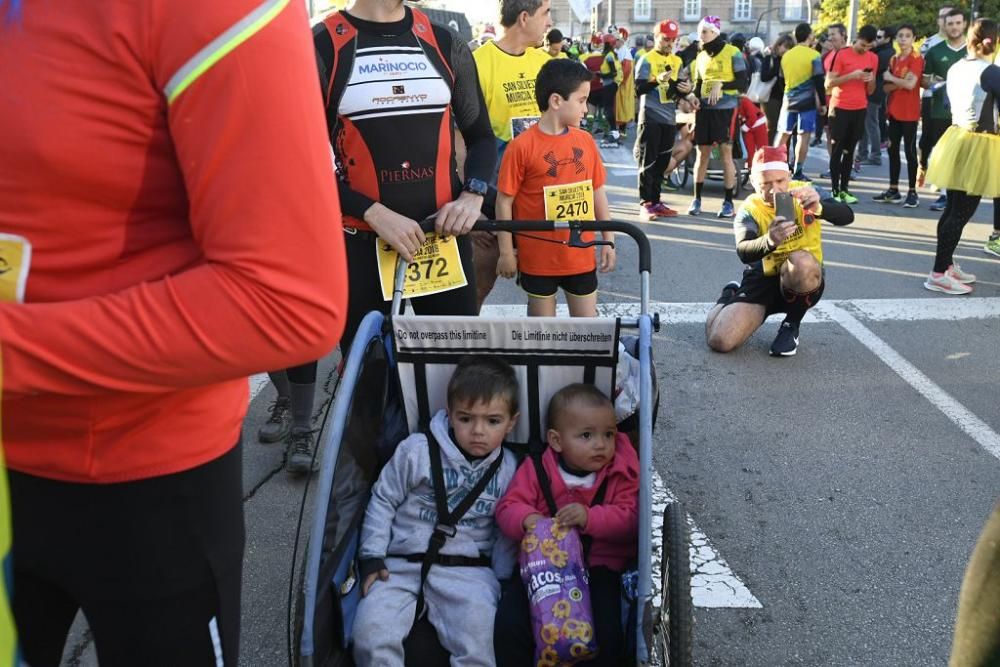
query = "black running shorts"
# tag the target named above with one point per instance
(543, 287)
(712, 126)
(765, 291)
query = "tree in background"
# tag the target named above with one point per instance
(922, 13)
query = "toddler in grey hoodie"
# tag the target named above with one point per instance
(460, 600)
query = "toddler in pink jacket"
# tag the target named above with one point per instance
(593, 474)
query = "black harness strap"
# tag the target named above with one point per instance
(550, 501)
(445, 527)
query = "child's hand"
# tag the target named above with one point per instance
(573, 514)
(382, 575)
(607, 259)
(530, 521)
(507, 265)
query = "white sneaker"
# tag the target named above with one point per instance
(956, 272)
(946, 283)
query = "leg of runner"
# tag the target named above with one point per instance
(581, 306)
(668, 135)
(729, 179)
(801, 289)
(302, 382)
(700, 169)
(278, 424)
(169, 594)
(977, 628)
(947, 276)
(891, 195)
(993, 244)
(728, 327)
(541, 306)
(647, 145)
(837, 132)
(910, 150)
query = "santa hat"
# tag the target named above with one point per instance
(668, 29)
(713, 23)
(769, 158)
(488, 32)
(623, 33)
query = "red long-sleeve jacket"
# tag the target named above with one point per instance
(167, 160)
(613, 525)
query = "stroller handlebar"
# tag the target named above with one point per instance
(575, 227)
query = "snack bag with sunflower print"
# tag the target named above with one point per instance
(555, 576)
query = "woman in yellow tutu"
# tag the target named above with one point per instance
(625, 99)
(965, 160)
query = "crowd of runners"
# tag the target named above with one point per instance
(149, 276)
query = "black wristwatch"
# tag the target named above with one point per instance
(476, 187)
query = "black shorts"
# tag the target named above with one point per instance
(765, 291)
(713, 126)
(155, 565)
(543, 287)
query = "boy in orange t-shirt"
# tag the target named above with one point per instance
(554, 171)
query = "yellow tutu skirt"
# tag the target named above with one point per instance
(625, 99)
(967, 161)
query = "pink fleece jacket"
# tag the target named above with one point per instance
(613, 525)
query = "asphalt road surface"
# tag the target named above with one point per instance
(837, 494)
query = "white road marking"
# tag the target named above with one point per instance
(972, 425)
(713, 583)
(257, 383)
(879, 310)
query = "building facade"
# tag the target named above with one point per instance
(767, 18)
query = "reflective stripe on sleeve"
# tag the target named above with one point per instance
(219, 47)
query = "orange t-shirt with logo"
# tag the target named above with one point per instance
(904, 105)
(552, 178)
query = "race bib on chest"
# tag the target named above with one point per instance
(437, 267)
(574, 201)
(15, 263)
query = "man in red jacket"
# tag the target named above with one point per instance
(168, 207)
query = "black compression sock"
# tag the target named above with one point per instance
(730, 193)
(798, 304)
(697, 190)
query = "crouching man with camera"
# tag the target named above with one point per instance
(778, 237)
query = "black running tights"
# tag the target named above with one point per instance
(846, 128)
(961, 206)
(905, 131)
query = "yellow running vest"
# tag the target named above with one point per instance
(508, 84)
(718, 68)
(808, 237)
(658, 64)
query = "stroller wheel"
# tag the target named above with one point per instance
(674, 638)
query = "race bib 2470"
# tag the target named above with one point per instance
(573, 201)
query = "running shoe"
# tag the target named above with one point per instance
(695, 207)
(729, 290)
(669, 185)
(890, 196)
(663, 211)
(300, 452)
(786, 343)
(278, 425)
(943, 282)
(647, 211)
(728, 211)
(847, 198)
(799, 176)
(818, 141)
(956, 272)
(993, 246)
(939, 203)
(911, 200)
(857, 166)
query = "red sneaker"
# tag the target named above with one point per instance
(663, 210)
